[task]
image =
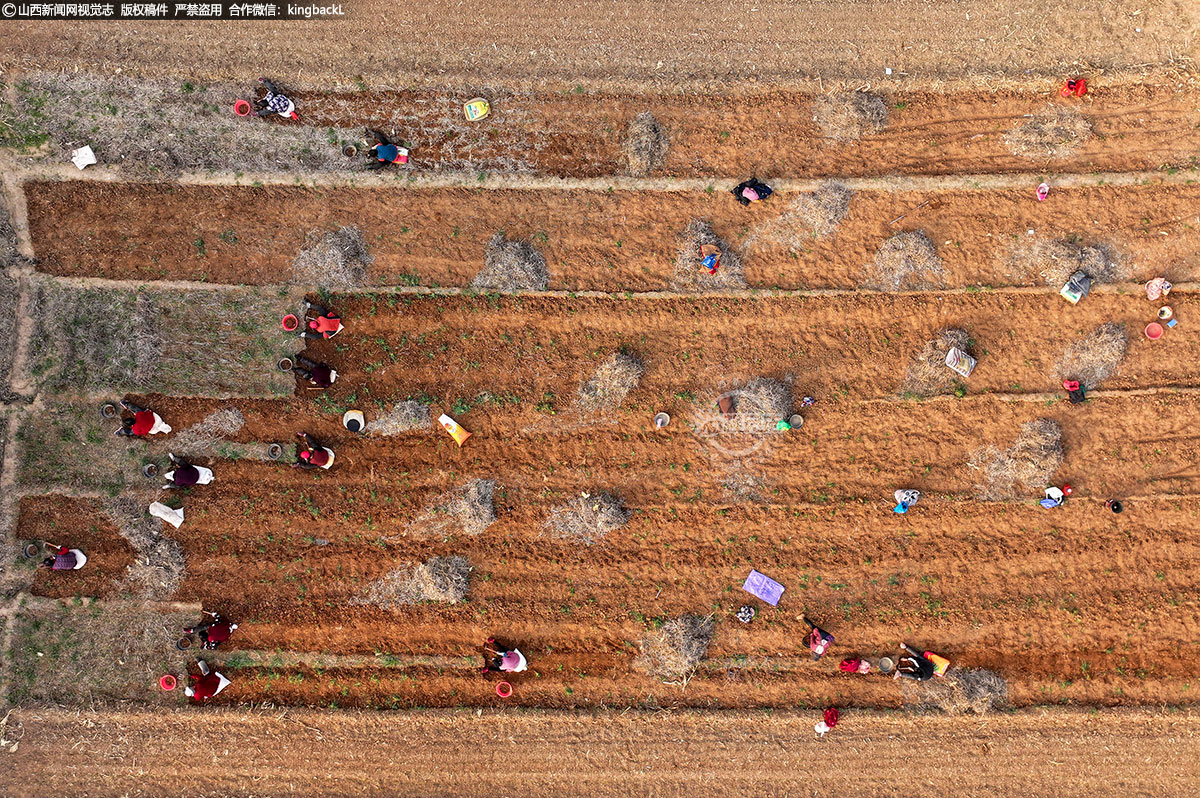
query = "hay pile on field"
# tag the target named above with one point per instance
(1095, 357)
(849, 116)
(470, 508)
(814, 214)
(612, 382)
(1028, 464)
(673, 652)
(511, 266)
(1054, 261)
(906, 260)
(741, 485)
(443, 580)
(690, 275)
(587, 519)
(334, 261)
(403, 417)
(157, 129)
(1054, 133)
(928, 374)
(645, 145)
(761, 404)
(202, 438)
(963, 690)
(159, 561)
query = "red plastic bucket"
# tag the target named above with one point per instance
(503, 689)
(1154, 331)
(241, 108)
(167, 682)
(290, 322)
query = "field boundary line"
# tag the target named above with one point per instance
(24, 173)
(740, 293)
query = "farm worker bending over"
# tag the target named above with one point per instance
(752, 190)
(385, 151)
(64, 559)
(208, 684)
(185, 474)
(215, 631)
(319, 374)
(325, 324)
(505, 660)
(310, 454)
(818, 640)
(142, 422)
(276, 102)
(914, 665)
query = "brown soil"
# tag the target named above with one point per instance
(591, 239)
(79, 524)
(684, 45)
(1042, 754)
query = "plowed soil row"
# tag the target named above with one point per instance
(769, 133)
(1094, 608)
(592, 240)
(1036, 753)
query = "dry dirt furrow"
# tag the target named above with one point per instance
(592, 240)
(445, 753)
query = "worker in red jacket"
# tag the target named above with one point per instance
(142, 422)
(311, 454)
(214, 631)
(322, 322)
(207, 684)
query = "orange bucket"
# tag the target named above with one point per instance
(290, 322)
(167, 682)
(503, 689)
(241, 108)
(1154, 331)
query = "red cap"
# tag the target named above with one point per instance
(1067, 490)
(304, 455)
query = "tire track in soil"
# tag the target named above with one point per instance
(592, 240)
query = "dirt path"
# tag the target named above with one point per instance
(269, 753)
(593, 240)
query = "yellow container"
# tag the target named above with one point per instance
(476, 109)
(459, 434)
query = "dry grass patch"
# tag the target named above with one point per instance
(404, 417)
(1054, 261)
(158, 129)
(469, 508)
(612, 382)
(1054, 133)
(905, 261)
(70, 447)
(441, 580)
(511, 266)
(1095, 357)
(690, 275)
(673, 652)
(927, 373)
(159, 561)
(849, 116)
(587, 519)
(1028, 464)
(186, 343)
(95, 654)
(815, 214)
(201, 438)
(645, 145)
(333, 261)
(762, 403)
(963, 690)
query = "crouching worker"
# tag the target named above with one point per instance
(142, 422)
(311, 454)
(385, 151)
(752, 190)
(503, 659)
(819, 640)
(276, 102)
(322, 322)
(914, 665)
(319, 374)
(207, 684)
(213, 631)
(184, 475)
(64, 559)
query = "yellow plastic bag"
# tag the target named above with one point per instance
(459, 434)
